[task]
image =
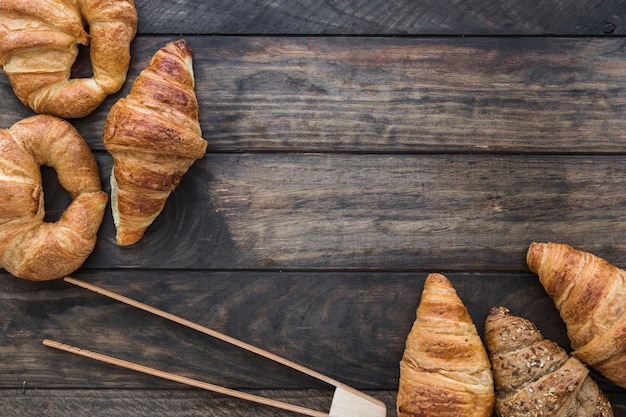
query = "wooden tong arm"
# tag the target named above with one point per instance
(183, 380)
(206, 330)
(377, 405)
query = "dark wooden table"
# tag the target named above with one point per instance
(354, 147)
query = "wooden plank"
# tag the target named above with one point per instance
(408, 95)
(381, 95)
(334, 164)
(375, 212)
(350, 326)
(413, 95)
(140, 403)
(148, 403)
(399, 17)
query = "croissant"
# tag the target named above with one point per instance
(29, 247)
(154, 136)
(39, 44)
(590, 295)
(536, 377)
(445, 370)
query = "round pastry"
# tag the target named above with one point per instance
(39, 44)
(31, 248)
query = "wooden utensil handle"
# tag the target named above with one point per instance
(341, 387)
(207, 331)
(182, 379)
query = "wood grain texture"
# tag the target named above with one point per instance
(414, 95)
(365, 145)
(376, 212)
(188, 403)
(396, 95)
(350, 326)
(383, 17)
(148, 403)
(145, 403)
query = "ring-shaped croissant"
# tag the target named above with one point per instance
(39, 43)
(30, 247)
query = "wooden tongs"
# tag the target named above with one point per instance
(346, 401)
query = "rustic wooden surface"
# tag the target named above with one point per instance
(354, 147)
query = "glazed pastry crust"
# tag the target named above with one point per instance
(590, 295)
(29, 247)
(39, 43)
(445, 370)
(154, 137)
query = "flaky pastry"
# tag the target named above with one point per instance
(39, 43)
(154, 137)
(31, 248)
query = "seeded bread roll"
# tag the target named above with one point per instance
(534, 376)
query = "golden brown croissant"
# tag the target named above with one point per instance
(590, 295)
(445, 370)
(39, 43)
(29, 247)
(154, 136)
(536, 377)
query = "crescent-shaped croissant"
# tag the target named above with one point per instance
(39, 43)
(154, 136)
(445, 370)
(590, 295)
(535, 376)
(29, 247)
